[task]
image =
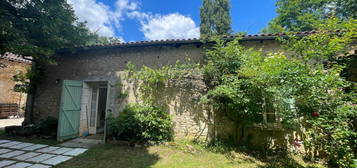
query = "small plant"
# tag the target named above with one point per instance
(47, 126)
(141, 123)
(23, 81)
(121, 94)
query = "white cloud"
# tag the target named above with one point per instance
(105, 20)
(125, 4)
(171, 26)
(100, 18)
(122, 8)
(96, 15)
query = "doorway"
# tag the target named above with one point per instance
(98, 106)
(102, 102)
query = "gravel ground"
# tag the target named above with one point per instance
(9, 122)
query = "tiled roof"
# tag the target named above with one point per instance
(194, 40)
(14, 57)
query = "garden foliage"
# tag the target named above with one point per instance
(303, 15)
(141, 123)
(149, 120)
(303, 87)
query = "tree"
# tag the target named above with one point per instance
(39, 27)
(103, 40)
(302, 15)
(215, 18)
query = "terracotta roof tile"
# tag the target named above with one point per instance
(14, 57)
(267, 36)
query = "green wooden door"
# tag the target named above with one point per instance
(70, 109)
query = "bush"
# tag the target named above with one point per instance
(141, 123)
(47, 126)
(301, 89)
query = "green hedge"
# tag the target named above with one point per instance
(141, 123)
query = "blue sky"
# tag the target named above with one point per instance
(136, 20)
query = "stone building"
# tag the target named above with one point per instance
(10, 65)
(83, 87)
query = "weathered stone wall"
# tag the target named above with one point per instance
(7, 70)
(102, 65)
(191, 120)
(256, 136)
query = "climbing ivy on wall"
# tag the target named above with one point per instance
(152, 81)
(149, 120)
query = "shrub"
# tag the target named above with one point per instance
(141, 123)
(47, 126)
(302, 89)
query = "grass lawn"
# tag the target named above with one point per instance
(180, 154)
(176, 155)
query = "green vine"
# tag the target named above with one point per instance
(152, 81)
(298, 89)
(121, 94)
(250, 86)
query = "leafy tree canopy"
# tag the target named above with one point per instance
(303, 15)
(39, 27)
(215, 18)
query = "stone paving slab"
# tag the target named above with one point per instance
(26, 156)
(4, 163)
(48, 149)
(39, 166)
(4, 141)
(12, 154)
(19, 165)
(40, 158)
(34, 147)
(82, 143)
(9, 144)
(21, 145)
(75, 152)
(2, 151)
(56, 160)
(29, 155)
(60, 151)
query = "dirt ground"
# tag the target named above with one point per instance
(9, 122)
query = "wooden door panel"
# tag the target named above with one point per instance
(70, 108)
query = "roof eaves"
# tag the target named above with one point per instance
(14, 57)
(173, 42)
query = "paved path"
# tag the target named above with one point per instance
(15, 154)
(81, 143)
(9, 122)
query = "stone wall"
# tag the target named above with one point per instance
(102, 65)
(257, 136)
(191, 120)
(7, 70)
